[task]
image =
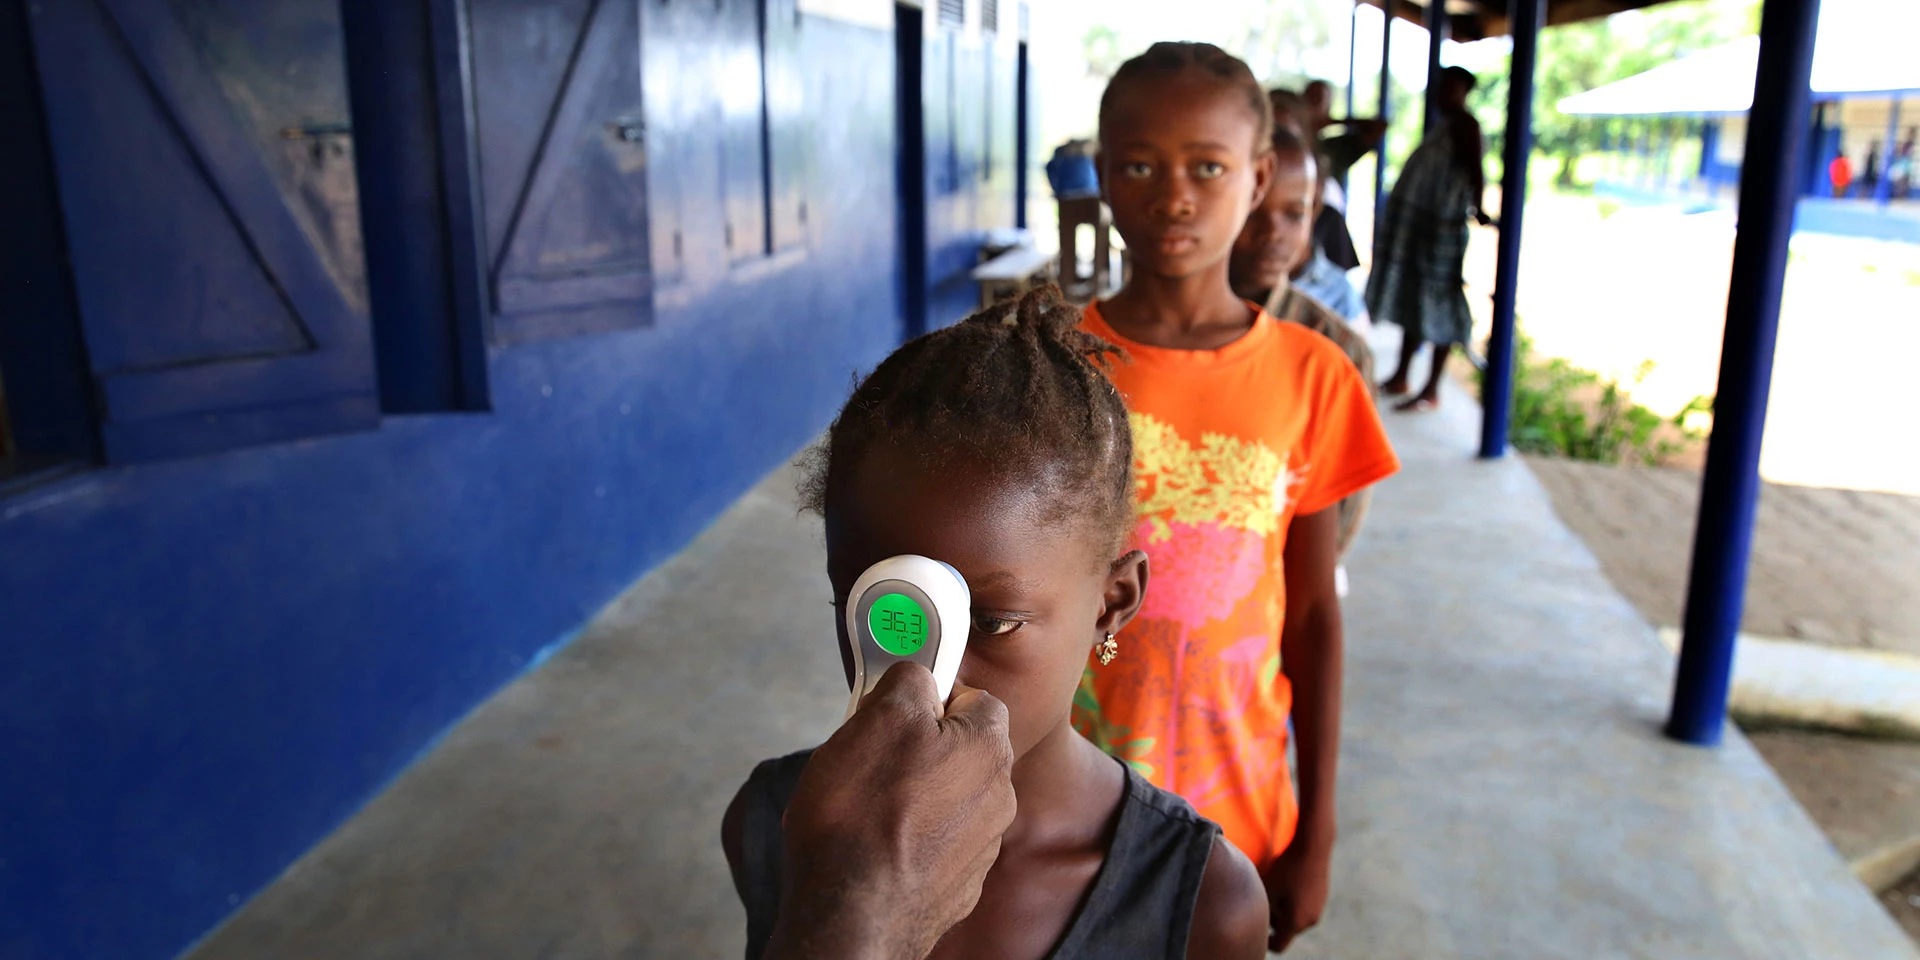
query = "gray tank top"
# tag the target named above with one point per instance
(1141, 904)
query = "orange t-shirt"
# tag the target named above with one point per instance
(1229, 445)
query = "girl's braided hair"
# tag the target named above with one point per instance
(1017, 388)
(1168, 58)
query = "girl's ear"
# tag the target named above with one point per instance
(1263, 167)
(1126, 590)
(1100, 173)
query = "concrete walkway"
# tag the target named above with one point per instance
(1506, 791)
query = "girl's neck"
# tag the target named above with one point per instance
(1061, 783)
(1195, 312)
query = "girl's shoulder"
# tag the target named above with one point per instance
(1316, 344)
(750, 835)
(1231, 914)
(1175, 871)
(1227, 901)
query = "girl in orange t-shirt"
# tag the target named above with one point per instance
(1246, 431)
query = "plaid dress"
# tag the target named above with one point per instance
(1420, 248)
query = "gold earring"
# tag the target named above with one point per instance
(1108, 650)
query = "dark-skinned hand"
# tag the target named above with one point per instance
(894, 823)
(1296, 894)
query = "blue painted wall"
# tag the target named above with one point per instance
(969, 100)
(214, 660)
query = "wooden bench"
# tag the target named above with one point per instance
(1012, 273)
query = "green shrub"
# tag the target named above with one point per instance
(1561, 410)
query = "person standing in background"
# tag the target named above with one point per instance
(1342, 151)
(1420, 251)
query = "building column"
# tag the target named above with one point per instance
(1496, 393)
(1436, 35)
(1386, 114)
(1770, 182)
(1883, 188)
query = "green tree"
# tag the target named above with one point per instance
(1100, 45)
(1277, 38)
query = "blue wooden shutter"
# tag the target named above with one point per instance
(738, 75)
(563, 164)
(206, 177)
(789, 145)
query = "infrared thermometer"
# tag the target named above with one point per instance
(907, 608)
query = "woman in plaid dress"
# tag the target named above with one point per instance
(1420, 248)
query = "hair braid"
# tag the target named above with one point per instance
(1167, 58)
(1017, 388)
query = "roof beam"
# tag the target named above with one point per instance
(1477, 19)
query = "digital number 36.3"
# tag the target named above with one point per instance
(895, 621)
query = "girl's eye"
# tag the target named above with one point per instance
(1207, 170)
(994, 626)
(1138, 170)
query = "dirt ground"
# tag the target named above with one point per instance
(1831, 566)
(1858, 791)
(1903, 902)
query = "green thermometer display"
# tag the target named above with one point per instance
(898, 623)
(906, 607)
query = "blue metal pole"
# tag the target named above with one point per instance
(1496, 392)
(1353, 58)
(1709, 145)
(1883, 187)
(1436, 34)
(1353, 52)
(1386, 113)
(1769, 184)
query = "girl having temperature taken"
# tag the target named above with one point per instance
(1000, 447)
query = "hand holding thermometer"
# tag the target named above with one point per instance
(907, 608)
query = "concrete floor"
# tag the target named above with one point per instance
(1506, 792)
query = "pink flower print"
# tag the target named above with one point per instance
(1201, 571)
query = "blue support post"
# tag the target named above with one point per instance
(1353, 52)
(1386, 113)
(1709, 149)
(1769, 185)
(1496, 395)
(1883, 187)
(1436, 34)
(1353, 58)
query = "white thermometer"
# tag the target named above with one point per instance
(907, 608)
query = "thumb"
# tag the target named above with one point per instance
(973, 712)
(909, 687)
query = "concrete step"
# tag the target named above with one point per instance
(1794, 683)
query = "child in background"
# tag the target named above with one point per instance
(998, 446)
(1247, 432)
(1275, 262)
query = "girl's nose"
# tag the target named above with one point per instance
(1177, 199)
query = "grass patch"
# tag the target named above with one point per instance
(1563, 411)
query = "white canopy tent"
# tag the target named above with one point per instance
(1864, 48)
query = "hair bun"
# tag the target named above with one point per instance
(1041, 309)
